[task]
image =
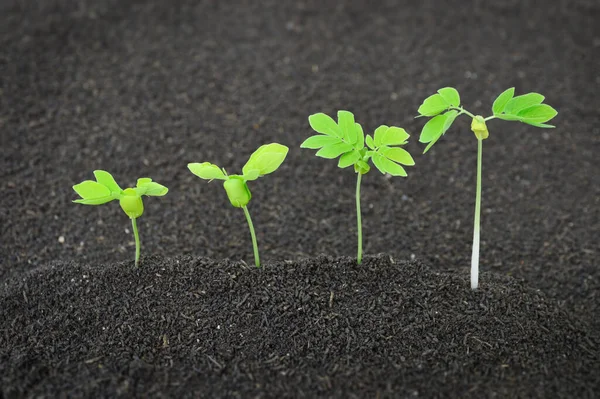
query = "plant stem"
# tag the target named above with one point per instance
(137, 241)
(358, 219)
(475, 254)
(463, 111)
(490, 118)
(253, 235)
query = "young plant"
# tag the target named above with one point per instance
(106, 189)
(444, 107)
(266, 159)
(345, 139)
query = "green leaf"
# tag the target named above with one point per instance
(394, 136)
(348, 159)
(537, 114)
(433, 129)
(508, 117)
(207, 171)
(450, 117)
(397, 154)
(334, 150)
(503, 99)
(267, 158)
(519, 103)
(324, 124)
(360, 140)
(318, 141)
(431, 143)
(433, 105)
(106, 179)
(347, 126)
(370, 142)
(94, 201)
(143, 180)
(151, 189)
(251, 175)
(542, 125)
(378, 135)
(450, 95)
(90, 189)
(386, 166)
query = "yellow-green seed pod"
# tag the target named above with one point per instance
(237, 191)
(479, 127)
(131, 203)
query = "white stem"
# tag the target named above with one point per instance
(475, 254)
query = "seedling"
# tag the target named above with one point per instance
(444, 107)
(266, 159)
(345, 139)
(106, 189)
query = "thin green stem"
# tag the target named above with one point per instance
(463, 111)
(358, 219)
(490, 118)
(475, 254)
(136, 235)
(253, 235)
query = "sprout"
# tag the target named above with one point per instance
(444, 107)
(106, 189)
(345, 139)
(266, 159)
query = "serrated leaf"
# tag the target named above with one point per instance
(267, 158)
(152, 189)
(394, 136)
(450, 95)
(318, 141)
(433, 129)
(347, 126)
(207, 171)
(378, 135)
(537, 114)
(386, 166)
(90, 189)
(324, 124)
(360, 140)
(370, 142)
(349, 158)
(107, 180)
(503, 99)
(398, 154)
(334, 150)
(521, 102)
(433, 105)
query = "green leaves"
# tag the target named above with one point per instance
(445, 98)
(145, 186)
(526, 108)
(92, 193)
(436, 127)
(266, 159)
(106, 189)
(207, 171)
(347, 140)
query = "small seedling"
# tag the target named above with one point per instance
(106, 189)
(266, 159)
(345, 139)
(444, 107)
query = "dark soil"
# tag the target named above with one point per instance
(140, 88)
(319, 327)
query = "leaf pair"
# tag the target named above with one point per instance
(434, 105)
(346, 139)
(526, 108)
(106, 189)
(266, 159)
